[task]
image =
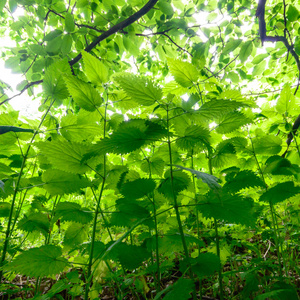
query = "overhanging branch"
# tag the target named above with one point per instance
(260, 14)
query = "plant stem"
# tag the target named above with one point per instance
(10, 218)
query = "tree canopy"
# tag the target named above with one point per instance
(166, 150)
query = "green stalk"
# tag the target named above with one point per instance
(97, 210)
(217, 238)
(10, 218)
(276, 235)
(180, 227)
(185, 248)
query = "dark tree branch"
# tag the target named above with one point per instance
(146, 8)
(260, 14)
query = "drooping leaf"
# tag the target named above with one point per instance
(242, 180)
(138, 188)
(73, 212)
(156, 166)
(184, 72)
(210, 180)
(41, 261)
(231, 121)
(280, 192)
(54, 84)
(60, 182)
(194, 136)
(141, 90)
(35, 222)
(84, 94)
(94, 69)
(278, 165)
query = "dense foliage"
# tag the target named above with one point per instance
(165, 163)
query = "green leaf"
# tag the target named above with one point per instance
(286, 101)
(231, 121)
(94, 69)
(184, 72)
(194, 136)
(280, 192)
(156, 166)
(130, 136)
(242, 180)
(246, 51)
(260, 68)
(73, 126)
(76, 234)
(180, 182)
(54, 84)
(277, 165)
(206, 264)
(292, 13)
(181, 289)
(66, 44)
(84, 94)
(130, 256)
(141, 90)
(229, 208)
(35, 222)
(42, 261)
(69, 23)
(217, 108)
(128, 213)
(65, 156)
(138, 188)
(60, 183)
(210, 180)
(267, 145)
(73, 212)
(4, 209)
(231, 45)
(165, 7)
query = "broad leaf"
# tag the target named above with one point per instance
(184, 73)
(141, 90)
(4, 209)
(286, 101)
(267, 145)
(75, 234)
(94, 69)
(181, 289)
(231, 122)
(245, 51)
(231, 45)
(280, 192)
(138, 188)
(54, 84)
(84, 94)
(73, 212)
(60, 183)
(42, 261)
(35, 222)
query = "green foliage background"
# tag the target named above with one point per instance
(167, 143)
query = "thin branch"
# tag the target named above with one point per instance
(145, 9)
(27, 86)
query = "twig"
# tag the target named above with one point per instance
(146, 8)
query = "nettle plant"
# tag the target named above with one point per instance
(143, 188)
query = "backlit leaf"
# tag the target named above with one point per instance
(184, 72)
(35, 222)
(138, 188)
(140, 89)
(231, 122)
(84, 94)
(94, 69)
